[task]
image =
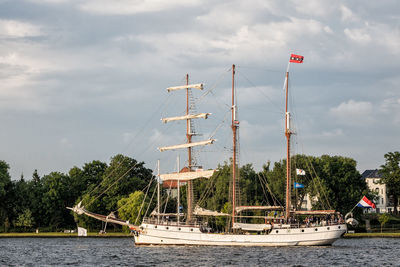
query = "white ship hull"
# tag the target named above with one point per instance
(183, 235)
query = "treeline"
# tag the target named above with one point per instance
(123, 184)
(40, 202)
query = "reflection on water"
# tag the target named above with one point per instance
(121, 251)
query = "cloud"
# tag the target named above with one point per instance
(14, 28)
(347, 14)
(358, 35)
(321, 8)
(353, 112)
(333, 133)
(126, 7)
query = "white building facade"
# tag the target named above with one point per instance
(382, 200)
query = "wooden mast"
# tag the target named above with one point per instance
(189, 140)
(234, 132)
(287, 134)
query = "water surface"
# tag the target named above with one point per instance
(122, 252)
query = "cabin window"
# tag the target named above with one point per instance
(302, 230)
(338, 227)
(328, 228)
(167, 227)
(179, 228)
(277, 231)
(155, 226)
(316, 229)
(191, 229)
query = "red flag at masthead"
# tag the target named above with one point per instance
(296, 58)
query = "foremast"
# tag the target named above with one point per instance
(190, 174)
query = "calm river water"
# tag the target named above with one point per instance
(122, 252)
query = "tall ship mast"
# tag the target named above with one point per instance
(189, 175)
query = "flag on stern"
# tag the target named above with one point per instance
(298, 185)
(366, 203)
(296, 58)
(300, 172)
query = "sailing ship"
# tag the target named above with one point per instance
(284, 231)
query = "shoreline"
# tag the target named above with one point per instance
(125, 235)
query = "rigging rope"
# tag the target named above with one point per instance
(133, 139)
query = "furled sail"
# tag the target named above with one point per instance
(311, 212)
(194, 86)
(204, 212)
(186, 117)
(242, 208)
(185, 176)
(201, 143)
(252, 227)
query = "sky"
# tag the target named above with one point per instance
(86, 80)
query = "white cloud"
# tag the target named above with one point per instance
(50, 1)
(14, 28)
(353, 112)
(126, 7)
(347, 14)
(321, 8)
(358, 35)
(333, 133)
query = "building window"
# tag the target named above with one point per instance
(377, 190)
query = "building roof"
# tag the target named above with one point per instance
(371, 174)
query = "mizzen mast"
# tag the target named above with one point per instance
(288, 133)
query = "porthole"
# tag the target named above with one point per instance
(191, 229)
(167, 227)
(328, 228)
(338, 227)
(277, 231)
(302, 230)
(141, 228)
(316, 229)
(155, 226)
(179, 228)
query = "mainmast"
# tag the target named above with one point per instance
(288, 133)
(234, 134)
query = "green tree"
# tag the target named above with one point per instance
(333, 180)
(129, 207)
(391, 176)
(58, 195)
(25, 219)
(123, 176)
(5, 186)
(383, 219)
(35, 187)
